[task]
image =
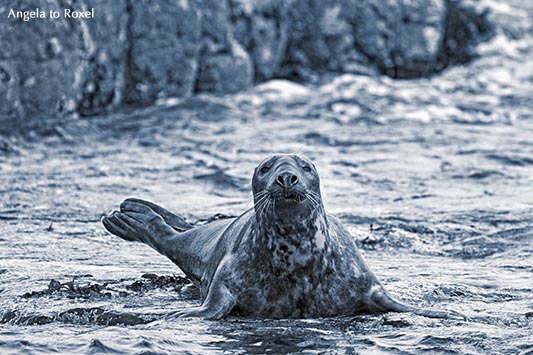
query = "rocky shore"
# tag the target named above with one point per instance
(133, 52)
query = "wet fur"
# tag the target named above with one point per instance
(284, 258)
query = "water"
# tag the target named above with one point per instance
(433, 177)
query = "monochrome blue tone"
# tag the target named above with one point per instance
(433, 177)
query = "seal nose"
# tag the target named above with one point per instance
(287, 179)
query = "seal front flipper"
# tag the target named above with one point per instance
(175, 221)
(381, 301)
(218, 304)
(139, 223)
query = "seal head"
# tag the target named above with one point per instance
(287, 186)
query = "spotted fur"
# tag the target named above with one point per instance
(284, 258)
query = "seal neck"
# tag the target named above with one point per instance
(292, 240)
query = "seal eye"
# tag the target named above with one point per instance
(265, 169)
(307, 169)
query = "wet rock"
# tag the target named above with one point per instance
(465, 27)
(34, 320)
(97, 315)
(106, 45)
(262, 28)
(114, 318)
(153, 281)
(225, 67)
(8, 316)
(396, 322)
(227, 71)
(93, 315)
(70, 290)
(402, 37)
(164, 44)
(137, 52)
(41, 64)
(17, 318)
(306, 47)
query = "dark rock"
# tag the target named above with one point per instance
(164, 44)
(136, 52)
(8, 316)
(153, 281)
(262, 28)
(465, 26)
(16, 318)
(42, 64)
(114, 318)
(396, 322)
(99, 316)
(149, 276)
(225, 67)
(306, 47)
(94, 315)
(35, 320)
(106, 44)
(227, 71)
(402, 37)
(70, 290)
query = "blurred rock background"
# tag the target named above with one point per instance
(135, 52)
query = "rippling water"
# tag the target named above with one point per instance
(433, 177)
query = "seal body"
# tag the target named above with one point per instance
(299, 279)
(284, 258)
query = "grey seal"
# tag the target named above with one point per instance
(283, 258)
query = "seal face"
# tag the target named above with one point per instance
(283, 258)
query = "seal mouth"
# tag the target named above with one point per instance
(285, 200)
(292, 196)
(288, 195)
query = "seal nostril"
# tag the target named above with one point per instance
(286, 179)
(294, 179)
